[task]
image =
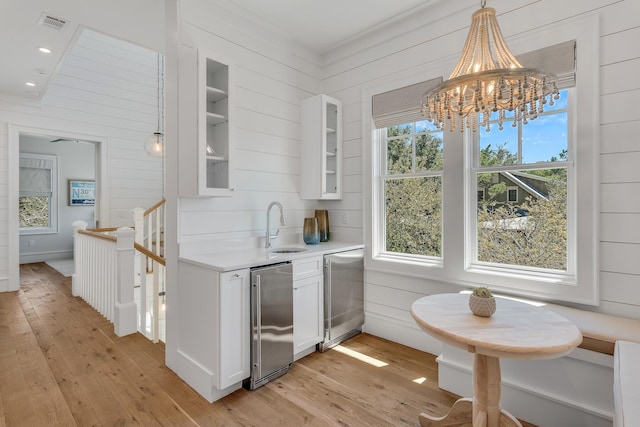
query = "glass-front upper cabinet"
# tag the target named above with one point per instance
(206, 170)
(321, 151)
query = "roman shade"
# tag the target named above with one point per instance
(36, 176)
(402, 105)
(559, 59)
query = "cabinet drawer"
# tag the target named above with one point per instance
(307, 267)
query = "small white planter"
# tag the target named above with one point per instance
(482, 306)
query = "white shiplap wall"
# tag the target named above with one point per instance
(273, 76)
(105, 88)
(423, 42)
(112, 85)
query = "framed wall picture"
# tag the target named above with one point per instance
(82, 192)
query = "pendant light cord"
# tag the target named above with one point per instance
(158, 88)
(161, 93)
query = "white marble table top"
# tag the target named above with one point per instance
(516, 330)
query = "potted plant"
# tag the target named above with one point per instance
(481, 302)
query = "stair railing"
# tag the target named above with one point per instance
(111, 262)
(149, 266)
(104, 273)
(149, 314)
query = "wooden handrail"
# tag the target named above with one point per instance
(154, 207)
(103, 230)
(98, 235)
(137, 246)
(149, 254)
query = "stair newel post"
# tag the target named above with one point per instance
(125, 319)
(79, 255)
(138, 225)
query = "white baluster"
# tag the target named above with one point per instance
(78, 256)
(156, 302)
(157, 232)
(138, 224)
(142, 309)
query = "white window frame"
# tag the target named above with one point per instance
(457, 270)
(53, 200)
(381, 136)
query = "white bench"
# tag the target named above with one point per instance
(626, 384)
(600, 331)
(620, 337)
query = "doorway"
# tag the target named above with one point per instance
(77, 159)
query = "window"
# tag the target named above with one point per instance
(523, 221)
(412, 183)
(37, 197)
(498, 190)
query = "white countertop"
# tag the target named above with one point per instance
(254, 257)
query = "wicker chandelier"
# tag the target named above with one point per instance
(488, 79)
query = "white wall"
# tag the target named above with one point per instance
(272, 77)
(437, 38)
(75, 161)
(105, 90)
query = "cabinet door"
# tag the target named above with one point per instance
(216, 124)
(321, 148)
(207, 117)
(234, 326)
(307, 313)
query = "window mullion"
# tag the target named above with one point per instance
(413, 147)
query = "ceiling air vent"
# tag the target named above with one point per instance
(52, 22)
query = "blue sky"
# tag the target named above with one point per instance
(542, 138)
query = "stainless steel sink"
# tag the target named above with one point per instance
(287, 250)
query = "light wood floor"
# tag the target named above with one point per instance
(61, 364)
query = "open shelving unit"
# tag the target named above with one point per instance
(321, 153)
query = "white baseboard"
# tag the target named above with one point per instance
(45, 256)
(200, 378)
(5, 285)
(404, 333)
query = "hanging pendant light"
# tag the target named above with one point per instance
(488, 79)
(154, 144)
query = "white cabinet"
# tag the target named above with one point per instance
(213, 333)
(233, 348)
(308, 309)
(307, 313)
(321, 148)
(207, 124)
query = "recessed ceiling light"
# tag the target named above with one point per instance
(30, 84)
(44, 49)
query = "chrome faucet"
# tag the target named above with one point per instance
(268, 236)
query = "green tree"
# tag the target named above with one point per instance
(34, 211)
(537, 239)
(414, 215)
(413, 205)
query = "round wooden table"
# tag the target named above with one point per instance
(517, 330)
